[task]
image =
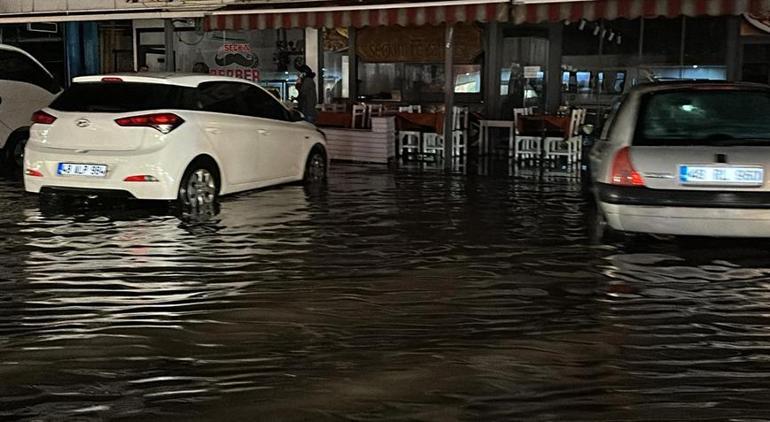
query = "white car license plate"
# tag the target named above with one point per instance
(721, 175)
(91, 170)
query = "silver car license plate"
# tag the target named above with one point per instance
(73, 169)
(721, 175)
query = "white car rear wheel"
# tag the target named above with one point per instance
(200, 186)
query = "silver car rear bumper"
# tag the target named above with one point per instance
(721, 222)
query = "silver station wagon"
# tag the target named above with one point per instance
(687, 158)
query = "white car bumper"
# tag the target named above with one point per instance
(688, 221)
(119, 166)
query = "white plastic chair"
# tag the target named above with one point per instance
(571, 146)
(520, 112)
(526, 148)
(460, 116)
(408, 142)
(373, 110)
(359, 114)
(433, 144)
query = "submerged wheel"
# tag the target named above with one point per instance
(14, 151)
(200, 185)
(315, 167)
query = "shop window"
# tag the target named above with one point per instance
(380, 80)
(336, 63)
(414, 82)
(704, 41)
(581, 38)
(662, 41)
(621, 39)
(468, 79)
(714, 73)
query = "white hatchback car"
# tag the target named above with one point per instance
(169, 137)
(25, 86)
(687, 158)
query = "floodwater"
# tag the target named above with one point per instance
(389, 295)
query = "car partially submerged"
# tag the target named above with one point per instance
(687, 158)
(168, 137)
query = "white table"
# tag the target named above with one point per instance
(484, 126)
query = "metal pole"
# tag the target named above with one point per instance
(681, 44)
(449, 93)
(168, 32)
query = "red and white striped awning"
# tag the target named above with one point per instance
(404, 14)
(612, 9)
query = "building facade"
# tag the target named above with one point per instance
(506, 54)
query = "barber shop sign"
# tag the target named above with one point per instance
(236, 59)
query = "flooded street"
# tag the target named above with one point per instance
(390, 295)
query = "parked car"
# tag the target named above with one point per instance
(687, 158)
(169, 137)
(25, 86)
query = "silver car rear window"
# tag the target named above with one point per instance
(718, 117)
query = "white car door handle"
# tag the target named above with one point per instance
(212, 130)
(263, 132)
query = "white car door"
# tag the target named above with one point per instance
(281, 143)
(232, 131)
(25, 87)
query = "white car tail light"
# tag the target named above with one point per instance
(34, 173)
(623, 172)
(141, 178)
(42, 118)
(163, 122)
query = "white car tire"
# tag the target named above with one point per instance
(199, 187)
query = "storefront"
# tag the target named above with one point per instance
(606, 47)
(385, 54)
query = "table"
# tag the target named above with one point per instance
(334, 119)
(484, 126)
(422, 122)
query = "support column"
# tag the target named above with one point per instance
(168, 33)
(91, 53)
(491, 82)
(312, 58)
(449, 93)
(733, 53)
(352, 65)
(553, 75)
(74, 49)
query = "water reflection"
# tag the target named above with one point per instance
(388, 295)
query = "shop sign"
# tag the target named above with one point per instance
(237, 60)
(416, 44)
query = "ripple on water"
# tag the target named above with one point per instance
(386, 296)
